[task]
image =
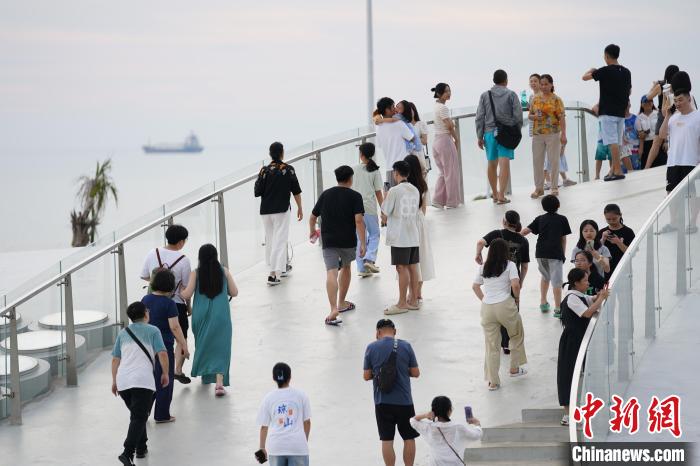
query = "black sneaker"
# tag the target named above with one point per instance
(614, 177)
(126, 460)
(183, 379)
(272, 281)
(142, 453)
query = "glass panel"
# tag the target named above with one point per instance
(189, 198)
(347, 154)
(643, 295)
(200, 222)
(299, 231)
(244, 232)
(693, 235)
(4, 366)
(595, 378)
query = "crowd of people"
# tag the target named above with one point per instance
(149, 354)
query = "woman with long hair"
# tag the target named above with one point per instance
(645, 125)
(589, 240)
(548, 120)
(211, 284)
(493, 284)
(447, 187)
(426, 265)
(367, 181)
(576, 311)
(584, 260)
(446, 438)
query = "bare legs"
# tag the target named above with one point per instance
(337, 286)
(556, 291)
(492, 173)
(498, 174)
(409, 286)
(615, 166)
(409, 452)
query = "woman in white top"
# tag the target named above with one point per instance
(493, 285)
(446, 439)
(645, 125)
(285, 422)
(447, 191)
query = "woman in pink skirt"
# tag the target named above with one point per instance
(447, 189)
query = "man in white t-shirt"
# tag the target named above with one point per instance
(683, 131)
(285, 422)
(172, 258)
(392, 137)
(400, 213)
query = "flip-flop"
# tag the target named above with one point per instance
(165, 421)
(219, 391)
(337, 321)
(503, 201)
(350, 307)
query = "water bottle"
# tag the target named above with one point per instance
(523, 99)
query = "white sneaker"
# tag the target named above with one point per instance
(371, 267)
(364, 274)
(565, 420)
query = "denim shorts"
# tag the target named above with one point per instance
(287, 460)
(611, 129)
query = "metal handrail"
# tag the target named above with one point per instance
(215, 192)
(593, 324)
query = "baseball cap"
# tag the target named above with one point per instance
(385, 323)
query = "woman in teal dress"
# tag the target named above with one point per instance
(211, 284)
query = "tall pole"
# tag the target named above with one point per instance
(370, 63)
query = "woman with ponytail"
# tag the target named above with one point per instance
(447, 187)
(446, 438)
(285, 422)
(367, 181)
(211, 284)
(576, 311)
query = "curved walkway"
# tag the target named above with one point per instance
(86, 425)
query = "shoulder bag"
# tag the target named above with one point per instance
(453, 450)
(508, 136)
(138, 342)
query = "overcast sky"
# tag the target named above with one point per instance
(86, 74)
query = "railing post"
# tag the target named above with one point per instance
(71, 368)
(681, 251)
(319, 174)
(459, 158)
(15, 388)
(223, 245)
(583, 144)
(123, 297)
(650, 287)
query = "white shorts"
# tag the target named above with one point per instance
(611, 129)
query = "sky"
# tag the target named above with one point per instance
(82, 80)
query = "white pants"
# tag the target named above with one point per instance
(276, 237)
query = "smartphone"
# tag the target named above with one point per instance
(468, 413)
(260, 456)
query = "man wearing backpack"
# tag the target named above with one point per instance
(171, 258)
(499, 110)
(390, 363)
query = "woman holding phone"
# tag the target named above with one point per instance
(446, 438)
(617, 237)
(589, 240)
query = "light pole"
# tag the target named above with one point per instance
(370, 63)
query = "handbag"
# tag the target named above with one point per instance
(508, 136)
(453, 450)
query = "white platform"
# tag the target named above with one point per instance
(81, 318)
(285, 323)
(26, 364)
(37, 342)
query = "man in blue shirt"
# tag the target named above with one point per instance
(395, 408)
(133, 359)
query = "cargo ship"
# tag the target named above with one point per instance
(191, 145)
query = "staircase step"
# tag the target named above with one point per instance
(530, 453)
(526, 432)
(542, 414)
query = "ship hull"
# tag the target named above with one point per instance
(172, 150)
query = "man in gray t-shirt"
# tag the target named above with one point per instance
(395, 408)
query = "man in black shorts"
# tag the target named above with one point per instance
(393, 409)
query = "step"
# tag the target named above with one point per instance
(530, 453)
(542, 414)
(526, 432)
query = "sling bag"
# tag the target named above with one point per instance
(138, 342)
(508, 136)
(453, 450)
(386, 377)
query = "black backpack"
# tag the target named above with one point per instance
(386, 376)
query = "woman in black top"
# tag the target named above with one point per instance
(274, 185)
(584, 261)
(519, 252)
(616, 236)
(576, 312)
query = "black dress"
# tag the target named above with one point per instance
(569, 344)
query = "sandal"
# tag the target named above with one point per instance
(349, 307)
(505, 200)
(219, 392)
(335, 321)
(555, 192)
(536, 194)
(520, 372)
(493, 388)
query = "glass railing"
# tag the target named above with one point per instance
(105, 275)
(654, 276)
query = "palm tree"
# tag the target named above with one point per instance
(93, 194)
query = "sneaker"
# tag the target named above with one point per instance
(142, 453)
(182, 378)
(614, 178)
(438, 206)
(544, 307)
(568, 182)
(557, 313)
(565, 420)
(394, 309)
(286, 272)
(520, 372)
(371, 266)
(126, 460)
(272, 281)
(364, 274)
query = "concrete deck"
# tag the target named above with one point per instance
(86, 425)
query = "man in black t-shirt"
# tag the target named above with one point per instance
(274, 185)
(615, 87)
(341, 211)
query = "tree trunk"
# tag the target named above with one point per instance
(81, 225)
